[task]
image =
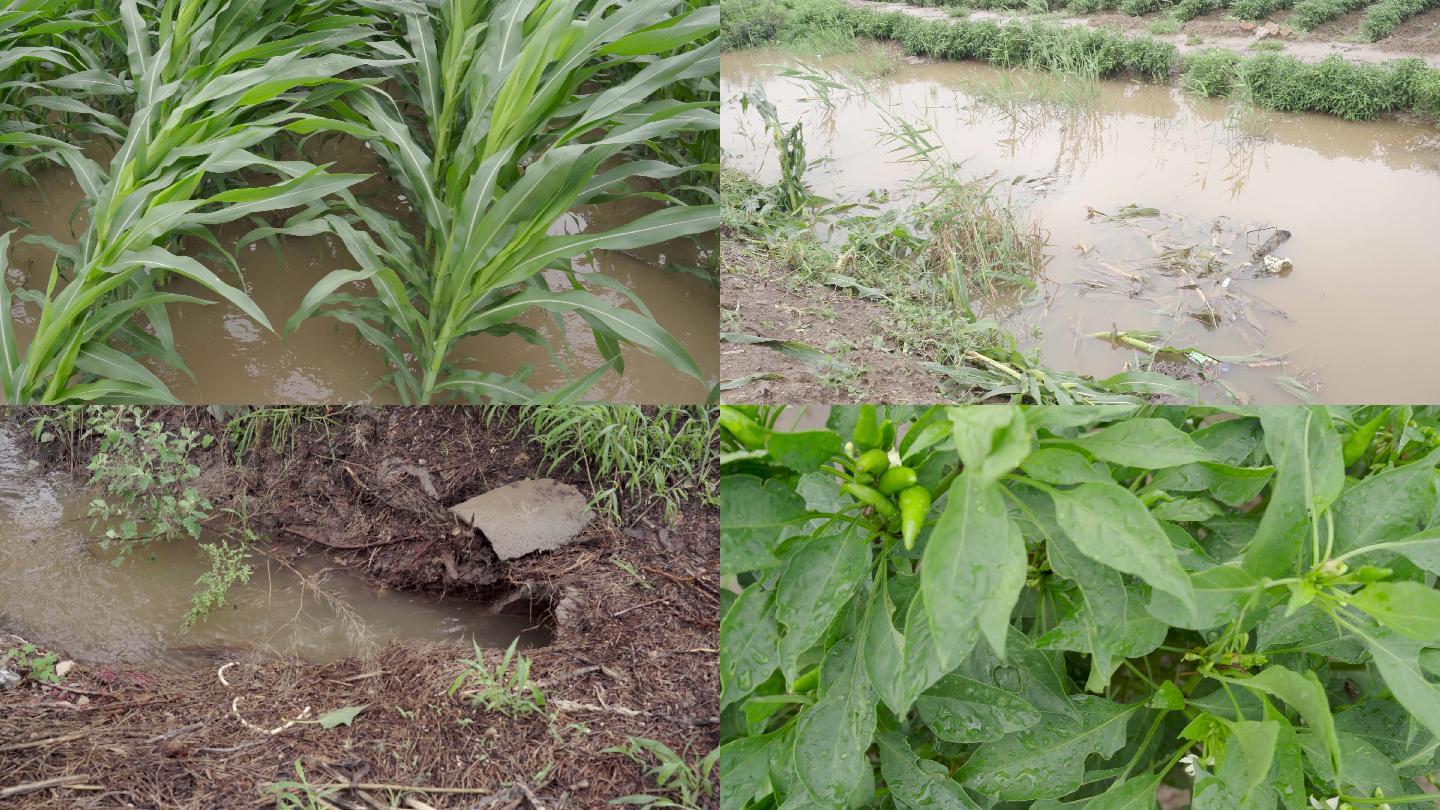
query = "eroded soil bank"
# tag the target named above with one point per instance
(633, 654)
(1152, 201)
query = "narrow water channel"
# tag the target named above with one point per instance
(58, 588)
(1354, 320)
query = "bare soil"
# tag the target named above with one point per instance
(631, 656)
(757, 298)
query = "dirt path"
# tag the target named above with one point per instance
(1225, 34)
(756, 300)
(634, 652)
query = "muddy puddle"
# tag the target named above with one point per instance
(58, 588)
(235, 360)
(1154, 201)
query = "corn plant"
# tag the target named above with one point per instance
(206, 83)
(513, 113)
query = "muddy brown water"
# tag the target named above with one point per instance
(237, 361)
(57, 587)
(1354, 320)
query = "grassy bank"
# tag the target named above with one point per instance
(1351, 90)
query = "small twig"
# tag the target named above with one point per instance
(232, 749)
(399, 788)
(40, 743)
(572, 706)
(45, 784)
(75, 690)
(176, 733)
(618, 614)
(377, 673)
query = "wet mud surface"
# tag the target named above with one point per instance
(758, 301)
(631, 654)
(1153, 203)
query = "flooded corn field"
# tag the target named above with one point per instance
(1297, 250)
(57, 587)
(234, 359)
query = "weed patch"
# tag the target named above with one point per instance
(504, 688)
(1352, 90)
(636, 459)
(1384, 17)
(1310, 13)
(1187, 10)
(1258, 9)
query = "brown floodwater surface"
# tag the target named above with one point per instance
(1354, 320)
(58, 588)
(235, 360)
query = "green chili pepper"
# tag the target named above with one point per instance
(745, 430)
(887, 434)
(872, 462)
(1360, 440)
(867, 430)
(896, 479)
(871, 497)
(914, 506)
(1371, 573)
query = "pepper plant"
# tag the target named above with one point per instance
(1083, 603)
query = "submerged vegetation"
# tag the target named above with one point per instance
(494, 118)
(1352, 90)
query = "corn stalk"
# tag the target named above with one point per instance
(515, 112)
(208, 82)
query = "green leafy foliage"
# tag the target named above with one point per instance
(36, 664)
(681, 784)
(497, 118)
(1238, 601)
(145, 476)
(503, 688)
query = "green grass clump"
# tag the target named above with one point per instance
(1310, 13)
(1090, 6)
(748, 24)
(1166, 26)
(1187, 10)
(1136, 8)
(1353, 91)
(1212, 72)
(1384, 17)
(1258, 9)
(1424, 91)
(636, 457)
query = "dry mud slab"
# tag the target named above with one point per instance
(626, 659)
